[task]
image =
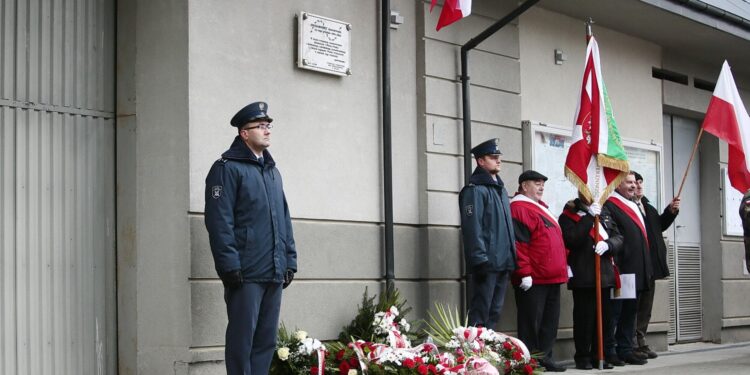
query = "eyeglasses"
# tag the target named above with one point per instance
(261, 126)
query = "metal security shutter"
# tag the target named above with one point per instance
(689, 309)
(672, 332)
(57, 229)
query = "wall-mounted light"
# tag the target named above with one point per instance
(560, 57)
(396, 19)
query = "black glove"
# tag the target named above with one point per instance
(231, 279)
(480, 271)
(288, 277)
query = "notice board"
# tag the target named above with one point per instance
(546, 147)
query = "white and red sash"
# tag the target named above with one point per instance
(535, 206)
(632, 211)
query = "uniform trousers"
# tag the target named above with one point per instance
(585, 335)
(645, 305)
(487, 298)
(253, 312)
(538, 317)
(623, 323)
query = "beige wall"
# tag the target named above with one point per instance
(550, 92)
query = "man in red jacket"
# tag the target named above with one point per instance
(542, 267)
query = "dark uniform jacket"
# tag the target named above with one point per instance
(486, 224)
(633, 255)
(247, 217)
(655, 225)
(577, 224)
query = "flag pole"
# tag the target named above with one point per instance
(690, 161)
(597, 257)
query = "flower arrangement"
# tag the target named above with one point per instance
(298, 354)
(379, 339)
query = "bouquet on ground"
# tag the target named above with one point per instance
(298, 354)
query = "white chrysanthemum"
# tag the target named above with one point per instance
(405, 325)
(452, 344)
(393, 310)
(352, 372)
(309, 345)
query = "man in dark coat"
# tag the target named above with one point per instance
(250, 232)
(655, 225)
(632, 258)
(745, 216)
(489, 244)
(577, 224)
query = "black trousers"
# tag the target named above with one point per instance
(645, 305)
(584, 322)
(538, 317)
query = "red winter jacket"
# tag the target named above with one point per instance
(540, 248)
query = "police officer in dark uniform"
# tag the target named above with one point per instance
(745, 216)
(488, 239)
(251, 238)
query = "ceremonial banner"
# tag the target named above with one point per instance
(596, 161)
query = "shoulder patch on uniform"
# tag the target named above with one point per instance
(216, 191)
(469, 209)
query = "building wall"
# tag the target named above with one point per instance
(327, 143)
(198, 59)
(153, 233)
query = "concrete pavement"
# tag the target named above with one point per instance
(688, 359)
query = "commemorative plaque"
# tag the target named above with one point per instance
(324, 44)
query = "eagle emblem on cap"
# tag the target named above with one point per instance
(262, 106)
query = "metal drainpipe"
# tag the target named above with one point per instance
(465, 77)
(385, 45)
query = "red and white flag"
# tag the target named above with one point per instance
(453, 10)
(726, 118)
(596, 161)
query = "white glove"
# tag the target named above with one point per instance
(595, 209)
(526, 283)
(601, 247)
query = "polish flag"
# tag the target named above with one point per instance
(453, 10)
(726, 118)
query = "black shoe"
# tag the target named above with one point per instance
(584, 365)
(553, 367)
(648, 352)
(614, 360)
(639, 354)
(606, 366)
(632, 359)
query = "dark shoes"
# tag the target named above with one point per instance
(639, 354)
(633, 359)
(650, 354)
(585, 365)
(613, 360)
(552, 367)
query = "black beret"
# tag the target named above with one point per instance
(637, 176)
(531, 175)
(251, 112)
(489, 147)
